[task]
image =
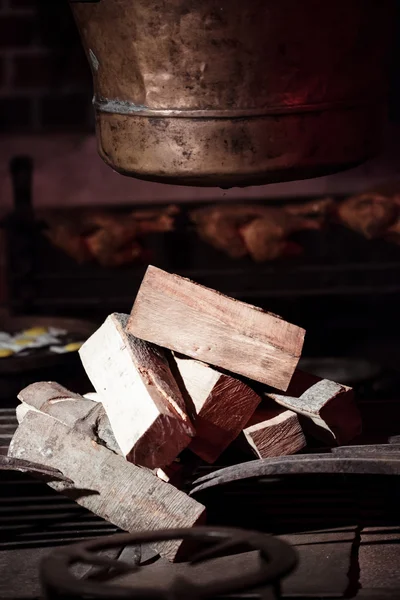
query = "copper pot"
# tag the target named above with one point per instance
(236, 92)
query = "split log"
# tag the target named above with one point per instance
(128, 496)
(69, 408)
(330, 411)
(223, 405)
(142, 400)
(274, 432)
(201, 323)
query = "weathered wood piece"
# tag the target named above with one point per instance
(128, 496)
(330, 411)
(223, 405)
(70, 408)
(141, 397)
(274, 432)
(53, 399)
(201, 323)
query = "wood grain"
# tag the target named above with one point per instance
(70, 408)
(128, 496)
(274, 432)
(53, 399)
(141, 397)
(201, 323)
(329, 410)
(223, 405)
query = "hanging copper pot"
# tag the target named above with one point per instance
(236, 92)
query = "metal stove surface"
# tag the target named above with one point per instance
(347, 560)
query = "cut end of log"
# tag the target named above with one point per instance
(159, 445)
(275, 432)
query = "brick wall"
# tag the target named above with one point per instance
(45, 82)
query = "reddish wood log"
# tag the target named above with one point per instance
(273, 431)
(223, 405)
(176, 313)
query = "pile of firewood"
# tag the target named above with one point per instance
(189, 370)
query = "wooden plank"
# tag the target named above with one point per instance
(176, 313)
(274, 432)
(128, 496)
(141, 397)
(330, 411)
(223, 405)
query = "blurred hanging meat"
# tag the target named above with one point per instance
(67, 233)
(266, 238)
(392, 234)
(256, 230)
(154, 220)
(370, 214)
(110, 239)
(219, 225)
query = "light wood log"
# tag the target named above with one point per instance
(329, 410)
(142, 400)
(128, 496)
(70, 408)
(223, 405)
(274, 432)
(201, 323)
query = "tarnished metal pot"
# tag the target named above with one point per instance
(236, 92)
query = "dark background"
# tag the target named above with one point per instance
(45, 82)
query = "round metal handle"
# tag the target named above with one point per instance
(277, 559)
